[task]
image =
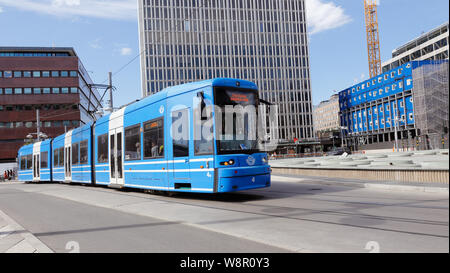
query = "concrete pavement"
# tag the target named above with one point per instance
(15, 239)
(289, 216)
(68, 226)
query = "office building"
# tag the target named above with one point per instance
(260, 41)
(326, 116)
(51, 80)
(410, 101)
(432, 45)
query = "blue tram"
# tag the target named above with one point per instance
(159, 143)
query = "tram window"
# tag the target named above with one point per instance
(203, 131)
(75, 151)
(133, 143)
(180, 133)
(61, 157)
(102, 148)
(55, 157)
(154, 139)
(23, 163)
(84, 152)
(44, 160)
(29, 162)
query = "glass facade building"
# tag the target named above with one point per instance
(260, 41)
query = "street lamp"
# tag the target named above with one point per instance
(39, 136)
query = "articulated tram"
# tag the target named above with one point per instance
(159, 144)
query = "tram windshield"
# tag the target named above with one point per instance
(236, 122)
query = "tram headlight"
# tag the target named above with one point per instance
(265, 160)
(228, 163)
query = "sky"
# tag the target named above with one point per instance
(104, 33)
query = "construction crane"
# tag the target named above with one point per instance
(373, 38)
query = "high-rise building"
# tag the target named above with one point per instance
(261, 41)
(51, 80)
(432, 45)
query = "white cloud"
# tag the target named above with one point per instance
(96, 43)
(110, 9)
(69, 3)
(322, 16)
(126, 51)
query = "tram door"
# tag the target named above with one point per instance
(116, 156)
(68, 162)
(36, 166)
(180, 144)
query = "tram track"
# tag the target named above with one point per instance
(228, 203)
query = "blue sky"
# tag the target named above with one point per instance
(105, 35)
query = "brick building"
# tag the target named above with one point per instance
(51, 80)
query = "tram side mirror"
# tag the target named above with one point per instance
(201, 96)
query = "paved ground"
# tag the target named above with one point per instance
(292, 215)
(417, 160)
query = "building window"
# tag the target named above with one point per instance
(27, 74)
(133, 143)
(7, 74)
(55, 90)
(45, 74)
(27, 91)
(55, 74)
(73, 74)
(65, 90)
(64, 74)
(73, 90)
(36, 74)
(46, 90)
(17, 91)
(37, 90)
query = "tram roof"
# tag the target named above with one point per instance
(183, 88)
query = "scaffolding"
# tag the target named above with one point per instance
(430, 95)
